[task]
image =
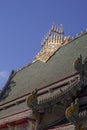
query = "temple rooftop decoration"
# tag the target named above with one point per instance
(49, 93)
(53, 41)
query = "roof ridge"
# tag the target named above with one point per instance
(72, 39)
(79, 35)
(76, 36)
(26, 65)
(7, 84)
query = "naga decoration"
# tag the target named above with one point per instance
(80, 66)
(32, 99)
(63, 98)
(51, 43)
(72, 111)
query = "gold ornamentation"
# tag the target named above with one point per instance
(51, 43)
(32, 99)
(72, 111)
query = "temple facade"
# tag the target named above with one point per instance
(50, 92)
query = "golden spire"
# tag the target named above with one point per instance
(53, 29)
(61, 29)
(51, 43)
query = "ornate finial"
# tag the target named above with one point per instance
(61, 29)
(57, 30)
(51, 43)
(53, 29)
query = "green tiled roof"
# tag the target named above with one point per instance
(39, 74)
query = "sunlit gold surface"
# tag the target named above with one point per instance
(51, 43)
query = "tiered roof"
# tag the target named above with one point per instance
(41, 75)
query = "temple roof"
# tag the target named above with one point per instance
(40, 74)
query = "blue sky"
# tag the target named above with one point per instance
(23, 24)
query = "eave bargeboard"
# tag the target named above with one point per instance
(16, 116)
